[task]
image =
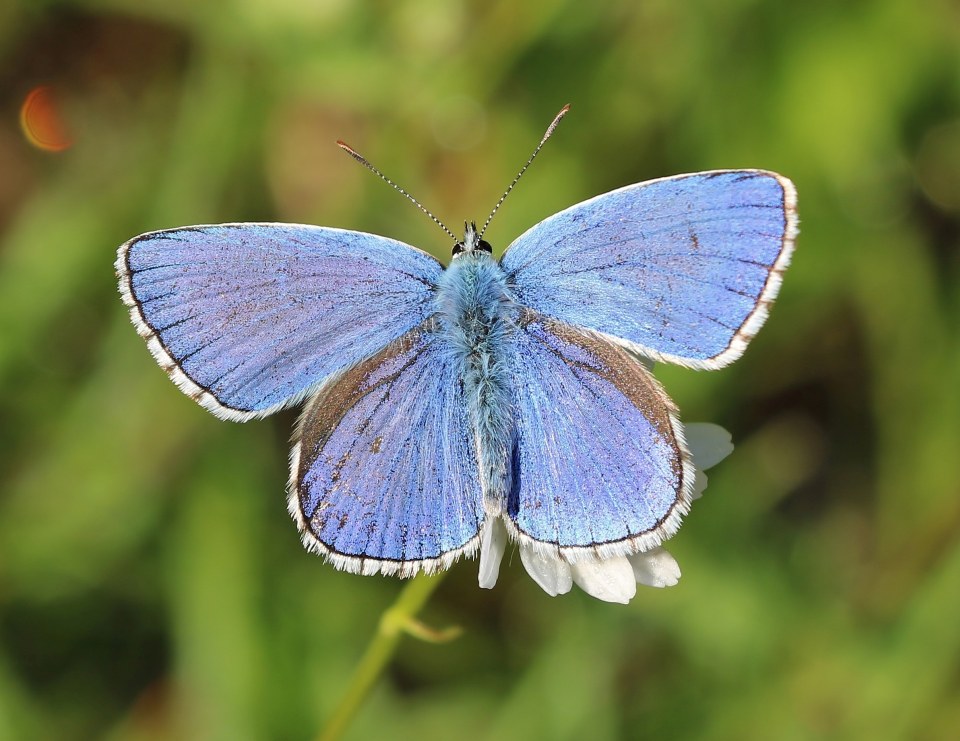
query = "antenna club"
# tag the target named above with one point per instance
(556, 120)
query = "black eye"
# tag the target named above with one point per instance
(457, 248)
(484, 245)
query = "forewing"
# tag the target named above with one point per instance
(384, 477)
(248, 318)
(599, 466)
(684, 269)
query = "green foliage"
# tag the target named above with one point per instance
(151, 583)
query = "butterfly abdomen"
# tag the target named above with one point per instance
(475, 307)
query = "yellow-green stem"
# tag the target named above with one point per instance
(378, 654)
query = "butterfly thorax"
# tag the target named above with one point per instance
(476, 311)
(473, 298)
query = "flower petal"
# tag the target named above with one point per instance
(708, 443)
(655, 568)
(699, 484)
(610, 580)
(552, 574)
(492, 544)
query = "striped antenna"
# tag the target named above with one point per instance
(547, 135)
(363, 161)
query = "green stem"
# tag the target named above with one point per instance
(378, 654)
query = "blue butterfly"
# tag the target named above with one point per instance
(445, 401)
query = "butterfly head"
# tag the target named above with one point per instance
(471, 241)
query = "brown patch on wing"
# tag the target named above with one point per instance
(329, 407)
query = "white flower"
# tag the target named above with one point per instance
(491, 551)
(708, 445)
(611, 579)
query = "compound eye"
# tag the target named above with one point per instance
(484, 245)
(457, 248)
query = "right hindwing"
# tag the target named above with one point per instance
(599, 465)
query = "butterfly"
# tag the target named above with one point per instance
(444, 401)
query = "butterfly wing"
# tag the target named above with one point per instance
(684, 269)
(384, 476)
(599, 465)
(249, 318)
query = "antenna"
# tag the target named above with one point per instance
(547, 135)
(363, 161)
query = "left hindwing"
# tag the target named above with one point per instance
(599, 465)
(384, 476)
(682, 269)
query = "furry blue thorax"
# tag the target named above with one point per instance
(477, 313)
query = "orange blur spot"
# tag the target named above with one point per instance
(41, 121)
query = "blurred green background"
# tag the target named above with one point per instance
(152, 585)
